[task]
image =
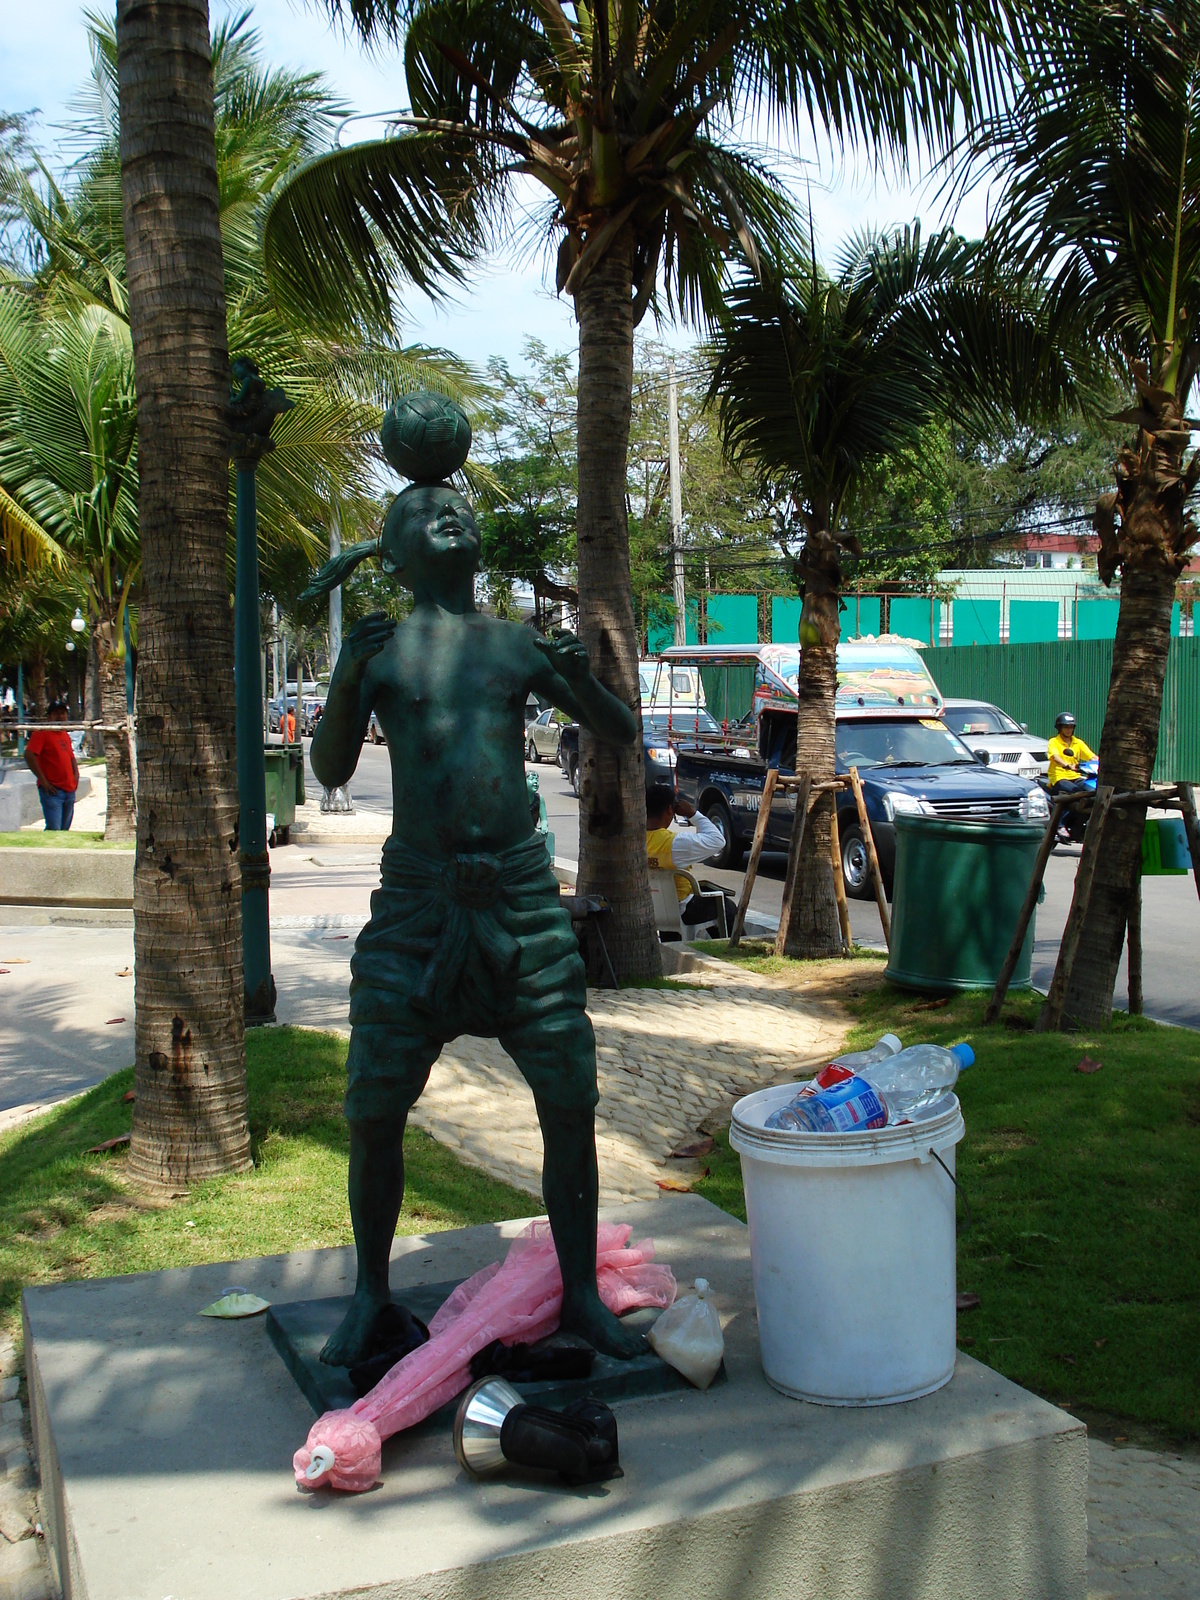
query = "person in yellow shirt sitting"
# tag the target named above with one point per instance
(665, 848)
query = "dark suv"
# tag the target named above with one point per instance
(659, 754)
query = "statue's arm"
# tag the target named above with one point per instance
(343, 725)
(564, 676)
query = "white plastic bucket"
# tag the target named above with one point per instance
(852, 1246)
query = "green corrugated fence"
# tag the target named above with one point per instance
(1034, 682)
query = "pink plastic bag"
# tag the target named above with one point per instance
(518, 1299)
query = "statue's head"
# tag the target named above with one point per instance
(429, 527)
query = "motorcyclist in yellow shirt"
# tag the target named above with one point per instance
(1067, 754)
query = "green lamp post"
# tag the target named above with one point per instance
(253, 409)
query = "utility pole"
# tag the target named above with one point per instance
(676, 507)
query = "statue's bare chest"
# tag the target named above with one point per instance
(464, 673)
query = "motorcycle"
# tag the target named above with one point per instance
(1074, 822)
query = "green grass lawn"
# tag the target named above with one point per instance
(39, 838)
(66, 1214)
(1085, 1193)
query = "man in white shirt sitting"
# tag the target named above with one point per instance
(666, 848)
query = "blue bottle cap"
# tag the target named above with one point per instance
(966, 1056)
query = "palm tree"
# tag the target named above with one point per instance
(189, 1116)
(1100, 155)
(622, 115)
(266, 121)
(68, 467)
(36, 608)
(819, 378)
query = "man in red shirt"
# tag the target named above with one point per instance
(51, 759)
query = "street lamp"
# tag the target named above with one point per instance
(253, 409)
(78, 625)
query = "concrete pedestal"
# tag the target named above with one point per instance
(165, 1443)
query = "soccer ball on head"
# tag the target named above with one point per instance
(426, 436)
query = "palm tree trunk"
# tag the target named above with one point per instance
(612, 783)
(813, 929)
(120, 821)
(189, 1117)
(35, 688)
(1128, 746)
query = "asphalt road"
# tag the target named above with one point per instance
(1170, 906)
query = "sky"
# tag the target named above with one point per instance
(44, 59)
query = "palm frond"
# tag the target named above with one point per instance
(348, 223)
(820, 376)
(1099, 153)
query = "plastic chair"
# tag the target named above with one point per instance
(668, 908)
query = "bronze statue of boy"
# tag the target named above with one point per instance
(467, 931)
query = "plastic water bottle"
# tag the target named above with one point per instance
(856, 1060)
(885, 1091)
(851, 1106)
(916, 1077)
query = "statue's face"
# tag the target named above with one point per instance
(429, 526)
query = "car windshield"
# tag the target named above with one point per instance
(685, 719)
(923, 743)
(979, 719)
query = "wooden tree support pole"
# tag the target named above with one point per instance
(839, 883)
(1026, 913)
(869, 841)
(756, 850)
(1191, 826)
(793, 863)
(1133, 929)
(1050, 1017)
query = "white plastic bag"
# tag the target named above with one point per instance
(688, 1337)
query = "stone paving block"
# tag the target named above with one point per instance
(14, 1524)
(10, 1411)
(24, 1573)
(9, 1387)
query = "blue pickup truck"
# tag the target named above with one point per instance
(888, 725)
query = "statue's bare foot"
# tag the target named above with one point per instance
(584, 1312)
(354, 1337)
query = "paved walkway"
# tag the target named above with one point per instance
(1143, 1523)
(667, 1061)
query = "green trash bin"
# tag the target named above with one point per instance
(281, 773)
(956, 895)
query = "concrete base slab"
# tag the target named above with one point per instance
(165, 1441)
(37, 875)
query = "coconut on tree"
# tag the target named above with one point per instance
(622, 116)
(1099, 155)
(819, 377)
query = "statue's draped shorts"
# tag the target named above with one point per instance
(477, 944)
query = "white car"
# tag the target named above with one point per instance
(1006, 743)
(543, 734)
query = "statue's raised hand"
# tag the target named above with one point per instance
(566, 655)
(366, 639)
